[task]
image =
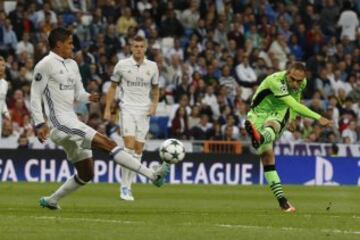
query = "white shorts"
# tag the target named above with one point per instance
(134, 124)
(75, 137)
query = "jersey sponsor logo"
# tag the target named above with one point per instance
(66, 86)
(38, 77)
(137, 84)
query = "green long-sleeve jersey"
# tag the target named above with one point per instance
(273, 96)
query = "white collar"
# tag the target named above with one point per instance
(136, 63)
(54, 55)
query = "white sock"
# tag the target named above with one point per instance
(126, 160)
(68, 187)
(131, 174)
(125, 171)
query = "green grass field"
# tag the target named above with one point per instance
(180, 212)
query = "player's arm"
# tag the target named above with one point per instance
(38, 86)
(299, 108)
(155, 92)
(5, 111)
(291, 125)
(304, 111)
(109, 99)
(115, 80)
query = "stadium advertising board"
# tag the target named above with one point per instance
(327, 171)
(51, 166)
(316, 149)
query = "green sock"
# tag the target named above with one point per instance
(274, 181)
(268, 134)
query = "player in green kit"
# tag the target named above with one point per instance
(275, 102)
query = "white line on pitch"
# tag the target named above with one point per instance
(78, 219)
(287, 228)
(186, 224)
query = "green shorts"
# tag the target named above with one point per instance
(258, 119)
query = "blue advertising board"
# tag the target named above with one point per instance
(51, 166)
(330, 171)
(197, 168)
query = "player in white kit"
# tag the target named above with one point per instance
(138, 80)
(3, 91)
(57, 83)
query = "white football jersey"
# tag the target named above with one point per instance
(135, 82)
(3, 106)
(57, 82)
(3, 92)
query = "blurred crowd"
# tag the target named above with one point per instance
(211, 54)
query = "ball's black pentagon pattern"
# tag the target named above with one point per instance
(172, 151)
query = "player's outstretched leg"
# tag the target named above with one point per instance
(85, 172)
(156, 175)
(121, 157)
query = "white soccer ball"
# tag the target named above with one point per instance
(172, 151)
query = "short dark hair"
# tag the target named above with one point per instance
(58, 35)
(297, 66)
(139, 38)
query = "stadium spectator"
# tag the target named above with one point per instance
(25, 46)
(39, 17)
(247, 78)
(210, 100)
(190, 17)
(170, 25)
(180, 125)
(204, 130)
(323, 84)
(348, 22)
(350, 133)
(23, 142)
(208, 45)
(125, 21)
(18, 112)
(9, 37)
(230, 125)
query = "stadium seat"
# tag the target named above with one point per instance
(222, 147)
(158, 127)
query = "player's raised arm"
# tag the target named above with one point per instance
(299, 108)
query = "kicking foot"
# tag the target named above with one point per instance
(287, 207)
(161, 172)
(45, 203)
(126, 194)
(256, 138)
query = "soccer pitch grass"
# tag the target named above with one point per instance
(179, 212)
